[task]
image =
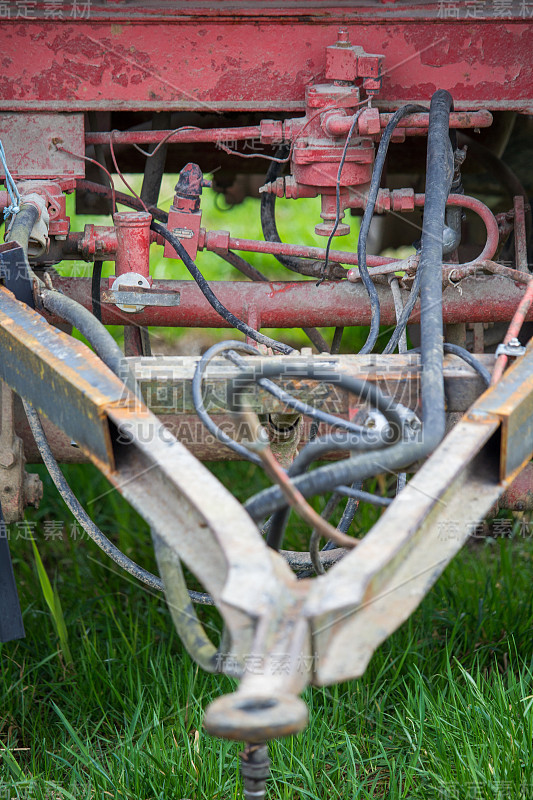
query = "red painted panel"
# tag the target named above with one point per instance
(256, 63)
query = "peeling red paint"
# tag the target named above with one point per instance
(262, 65)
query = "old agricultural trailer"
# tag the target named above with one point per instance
(394, 112)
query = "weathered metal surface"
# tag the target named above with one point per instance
(284, 304)
(133, 243)
(58, 375)
(340, 126)
(194, 57)
(137, 296)
(511, 401)
(520, 237)
(30, 141)
(366, 596)
(326, 629)
(18, 488)
(165, 382)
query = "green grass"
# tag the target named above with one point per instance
(445, 709)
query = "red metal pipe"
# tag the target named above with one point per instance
(514, 329)
(133, 242)
(212, 242)
(339, 126)
(483, 211)
(178, 137)
(303, 304)
(222, 241)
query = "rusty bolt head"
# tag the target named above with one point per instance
(7, 459)
(403, 200)
(369, 122)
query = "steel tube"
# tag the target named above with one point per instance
(339, 126)
(213, 239)
(179, 137)
(302, 251)
(302, 304)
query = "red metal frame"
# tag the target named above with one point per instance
(280, 304)
(192, 56)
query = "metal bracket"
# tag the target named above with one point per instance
(512, 348)
(282, 634)
(137, 297)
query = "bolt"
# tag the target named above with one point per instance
(343, 37)
(514, 342)
(7, 459)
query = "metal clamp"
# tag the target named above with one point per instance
(132, 292)
(512, 348)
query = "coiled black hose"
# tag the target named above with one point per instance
(228, 348)
(439, 175)
(268, 221)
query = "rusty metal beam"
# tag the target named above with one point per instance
(165, 384)
(59, 375)
(281, 304)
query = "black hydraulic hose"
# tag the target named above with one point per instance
(105, 346)
(83, 518)
(314, 541)
(357, 432)
(304, 408)
(268, 219)
(399, 456)
(415, 288)
(366, 390)
(468, 358)
(198, 400)
(95, 290)
(351, 507)
(359, 495)
(377, 172)
(76, 508)
(210, 296)
(22, 226)
(313, 451)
